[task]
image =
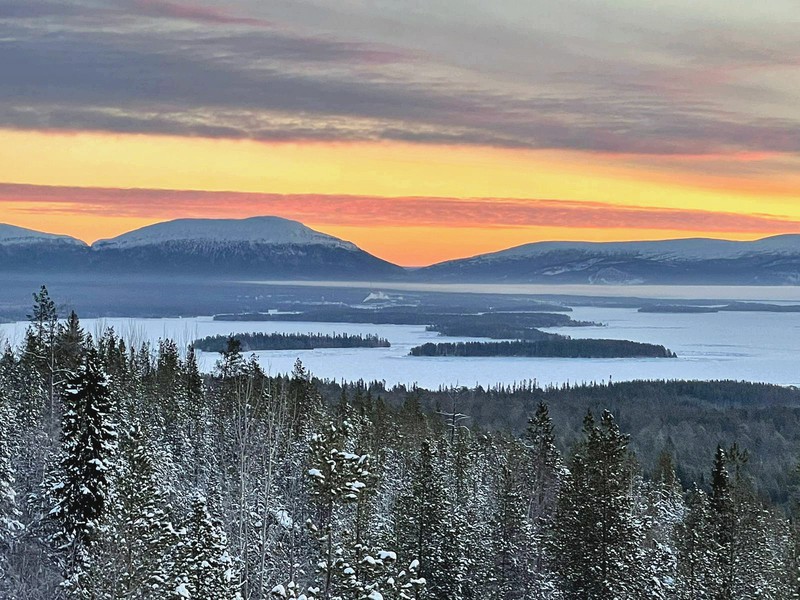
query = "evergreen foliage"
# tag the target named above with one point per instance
(249, 342)
(561, 347)
(237, 484)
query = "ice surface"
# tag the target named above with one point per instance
(727, 345)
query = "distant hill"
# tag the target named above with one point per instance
(261, 248)
(258, 248)
(771, 261)
(28, 251)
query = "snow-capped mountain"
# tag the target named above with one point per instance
(258, 247)
(11, 235)
(221, 232)
(27, 250)
(770, 261)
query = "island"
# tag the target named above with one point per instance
(289, 341)
(733, 307)
(563, 347)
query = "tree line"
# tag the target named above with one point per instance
(248, 342)
(559, 347)
(126, 473)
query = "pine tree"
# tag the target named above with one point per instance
(232, 361)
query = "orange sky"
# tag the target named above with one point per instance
(408, 203)
(421, 135)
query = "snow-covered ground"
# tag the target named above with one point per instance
(743, 346)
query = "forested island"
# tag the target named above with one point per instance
(432, 316)
(249, 342)
(127, 473)
(733, 307)
(557, 347)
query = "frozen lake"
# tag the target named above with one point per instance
(726, 345)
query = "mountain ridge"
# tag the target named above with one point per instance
(257, 247)
(773, 260)
(263, 229)
(13, 234)
(273, 247)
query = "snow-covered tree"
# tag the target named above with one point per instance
(9, 510)
(510, 538)
(542, 481)
(204, 568)
(421, 519)
(82, 488)
(142, 544)
(338, 478)
(596, 532)
(89, 441)
(696, 568)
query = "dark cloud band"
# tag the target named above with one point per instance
(207, 71)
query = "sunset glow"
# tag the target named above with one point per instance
(412, 173)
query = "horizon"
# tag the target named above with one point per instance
(90, 242)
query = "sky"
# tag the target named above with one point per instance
(421, 131)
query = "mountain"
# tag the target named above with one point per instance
(25, 250)
(276, 248)
(258, 247)
(770, 261)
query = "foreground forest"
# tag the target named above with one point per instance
(126, 473)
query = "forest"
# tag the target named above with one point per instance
(248, 342)
(559, 346)
(126, 473)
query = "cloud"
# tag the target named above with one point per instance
(607, 77)
(366, 211)
(193, 12)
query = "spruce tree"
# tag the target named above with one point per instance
(510, 538)
(723, 514)
(70, 342)
(596, 533)
(696, 549)
(542, 482)
(204, 567)
(89, 440)
(420, 517)
(9, 510)
(144, 539)
(338, 480)
(82, 489)
(41, 343)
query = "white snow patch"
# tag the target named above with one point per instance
(18, 236)
(265, 230)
